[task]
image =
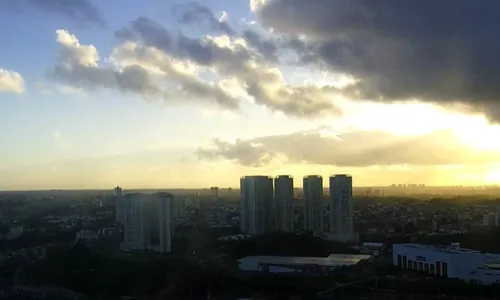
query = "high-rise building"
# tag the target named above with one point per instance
(341, 222)
(165, 221)
(134, 222)
(179, 208)
(283, 203)
(119, 205)
(256, 204)
(214, 191)
(314, 207)
(118, 191)
(148, 222)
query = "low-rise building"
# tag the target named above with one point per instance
(294, 264)
(452, 262)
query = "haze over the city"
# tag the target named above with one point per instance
(179, 94)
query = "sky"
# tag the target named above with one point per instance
(179, 94)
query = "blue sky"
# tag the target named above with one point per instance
(60, 133)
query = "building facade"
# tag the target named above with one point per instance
(341, 219)
(256, 205)
(148, 222)
(134, 222)
(165, 221)
(283, 203)
(118, 205)
(314, 207)
(453, 262)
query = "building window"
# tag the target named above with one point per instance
(433, 269)
(438, 268)
(400, 261)
(420, 266)
(445, 269)
(426, 268)
(405, 261)
(415, 265)
(410, 264)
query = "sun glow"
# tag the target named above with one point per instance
(493, 176)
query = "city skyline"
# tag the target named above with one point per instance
(175, 95)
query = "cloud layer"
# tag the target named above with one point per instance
(11, 82)
(77, 10)
(158, 63)
(134, 69)
(437, 51)
(352, 149)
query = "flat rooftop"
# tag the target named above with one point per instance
(334, 260)
(447, 249)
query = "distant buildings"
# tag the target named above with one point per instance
(256, 205)
(314, 208)
(214, 191)
(283, 203)
(341, 220)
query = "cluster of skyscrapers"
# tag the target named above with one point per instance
(268, 207)
(147, 220)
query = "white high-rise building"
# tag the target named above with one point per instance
(341, 221)
(283, 203)
(256, 204)
(134, 222)
(314, 207)
(165, 220)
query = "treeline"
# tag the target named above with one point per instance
(283, 244)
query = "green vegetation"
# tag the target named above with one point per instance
(89, 273)
(283, 244)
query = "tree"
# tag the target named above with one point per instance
(4, 229)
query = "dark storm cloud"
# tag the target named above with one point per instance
(267, 48)
(78, 10)
(194, 13)
(439, 51)
(352, 149)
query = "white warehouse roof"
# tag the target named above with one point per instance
(334, 260)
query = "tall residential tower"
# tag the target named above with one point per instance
(341, 221)
(148, 222)
(165, 221)
(314, 208)
(256, 206)
(134, 222)
(118, 205)
(283, 203)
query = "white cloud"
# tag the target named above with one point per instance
(256, 4)
(74, 53)
(136, 69)
(11, 82)
(71, 90)
(350, 149)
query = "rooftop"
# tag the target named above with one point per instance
(447, 249)
(334, 260)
